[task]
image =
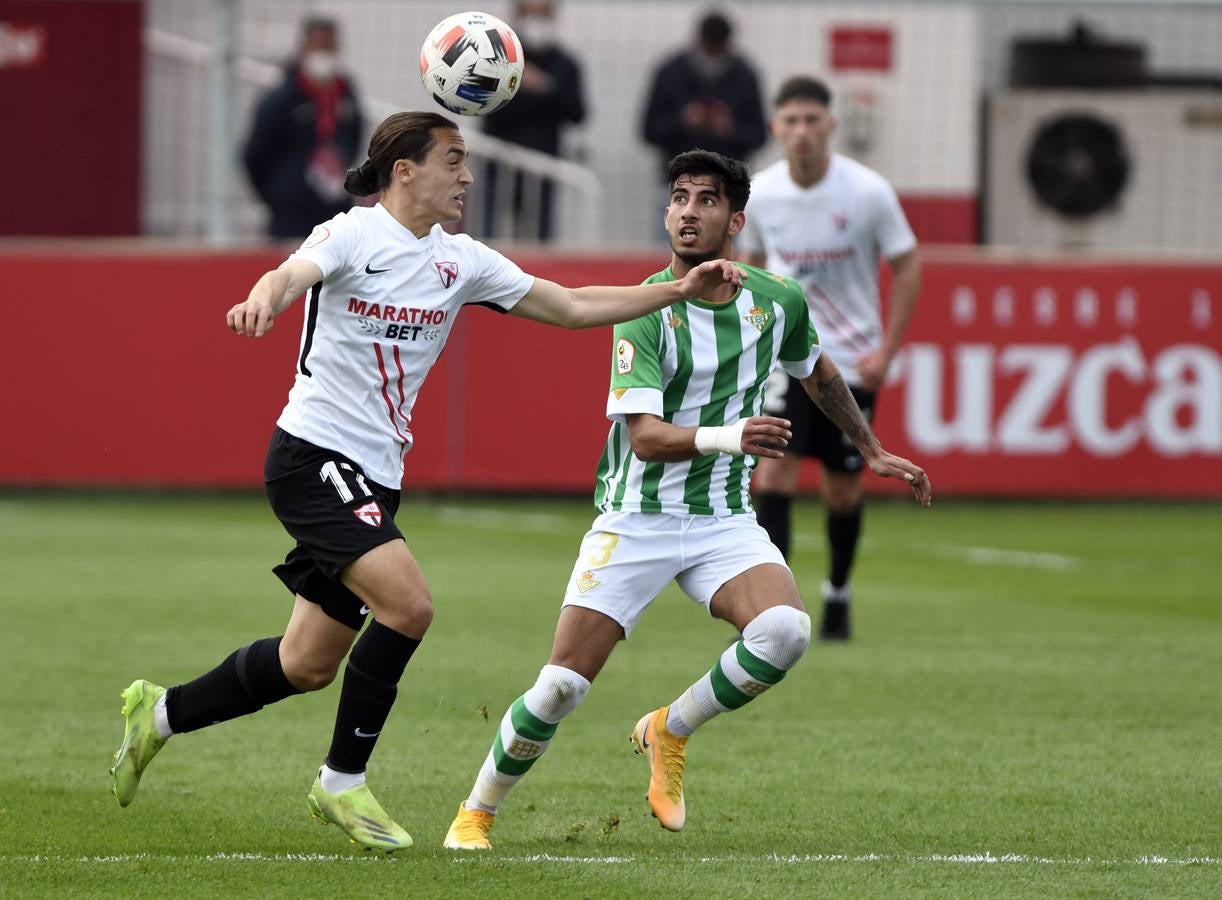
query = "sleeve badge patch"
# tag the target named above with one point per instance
(625, 352)
(317, 236)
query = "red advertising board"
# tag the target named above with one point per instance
(71, 86)
(1019, 378)
(1063, 379)
(860, 47)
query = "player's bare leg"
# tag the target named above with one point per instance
(583, 642)
(842, 499)
(764, 605)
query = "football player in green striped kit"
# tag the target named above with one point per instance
(686, 395)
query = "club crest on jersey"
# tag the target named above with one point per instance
(625, 352)
(370, 514)
(675, 320)
(586, 582)
(756, 318)
(447, 271)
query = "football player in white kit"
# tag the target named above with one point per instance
(385, 284)
(673, 492)
(825, 221)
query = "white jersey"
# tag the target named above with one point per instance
(829, 237)
(375, 325)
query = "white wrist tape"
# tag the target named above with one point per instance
(721, 438)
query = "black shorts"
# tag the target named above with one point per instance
(336, 515)
(814, 434)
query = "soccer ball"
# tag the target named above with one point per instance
(471, 63)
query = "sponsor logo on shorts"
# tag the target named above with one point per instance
(587, 582)
(370, 514)
(364, 610)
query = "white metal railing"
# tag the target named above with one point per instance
(214, 184)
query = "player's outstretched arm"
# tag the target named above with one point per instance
(589, 307)
(654, 440)
(272, 294)
(827, 389)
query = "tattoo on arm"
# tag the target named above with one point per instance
(832, 396)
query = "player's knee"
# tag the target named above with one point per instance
(411, 614)
(779, 635)
(309, 674)
(556, 693)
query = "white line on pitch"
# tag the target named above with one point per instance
(986, 858)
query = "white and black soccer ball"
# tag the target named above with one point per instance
(471, 63)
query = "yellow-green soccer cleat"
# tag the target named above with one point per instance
(667, 757)
(360, 816)
(140, 738)
(469, 830)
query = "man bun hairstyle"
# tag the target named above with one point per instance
(403, 135)
(803, 87)
(733, 180)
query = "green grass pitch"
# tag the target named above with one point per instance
(1031, 707)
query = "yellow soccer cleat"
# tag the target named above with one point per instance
(140, 738)
(667, 758)
(469, 830)
(360, 816)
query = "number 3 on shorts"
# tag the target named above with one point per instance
(601, 545)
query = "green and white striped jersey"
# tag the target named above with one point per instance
(697, 363)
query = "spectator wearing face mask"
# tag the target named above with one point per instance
(550, 98)
(706, 96)
(306, 133)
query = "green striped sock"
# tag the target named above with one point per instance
(519, 741)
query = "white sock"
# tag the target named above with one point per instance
(334, 782)
(161, 719)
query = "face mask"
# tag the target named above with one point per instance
(320, 65)
(536, 31)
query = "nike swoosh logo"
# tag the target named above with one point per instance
(360, 733)
(364, 610)
(369, 271)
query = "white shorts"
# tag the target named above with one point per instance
(628, 558)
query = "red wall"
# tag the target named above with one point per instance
(70, 92)
(1018, 378)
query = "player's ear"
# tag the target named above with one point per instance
(403, 170)
(738, 221)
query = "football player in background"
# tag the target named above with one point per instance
(825, 221)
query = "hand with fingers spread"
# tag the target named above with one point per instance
(888, 465)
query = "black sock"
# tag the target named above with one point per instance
(371, 680)
(248, 680)
(772, 512)
(843, 529)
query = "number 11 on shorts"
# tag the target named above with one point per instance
(330, 471)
